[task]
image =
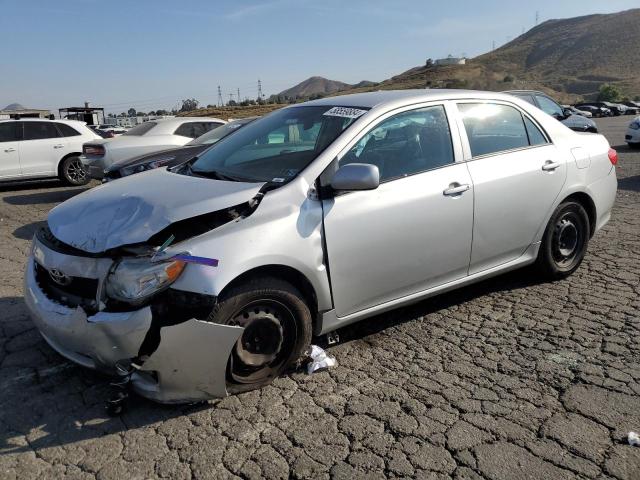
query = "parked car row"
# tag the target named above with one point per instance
(632, 136)
(609, 109)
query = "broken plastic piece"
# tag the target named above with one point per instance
(164, 246)
(211, 262)
(333, 338)
(319, 360)
(634, 439)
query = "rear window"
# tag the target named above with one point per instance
(40, 130)
(66, 130)
(141, 129)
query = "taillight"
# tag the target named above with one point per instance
(93, 149)
(613, 156)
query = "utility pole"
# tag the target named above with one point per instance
(238, 95)
(260, 89)
(537, 16)
(220, 100)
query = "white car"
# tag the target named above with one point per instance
(38, 148)
(633, 134)
(577, 111)
(147, 137)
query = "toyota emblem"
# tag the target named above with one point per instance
(59, 277)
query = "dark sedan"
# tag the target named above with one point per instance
(173, 156)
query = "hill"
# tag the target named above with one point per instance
(569, 58)
(313, 86)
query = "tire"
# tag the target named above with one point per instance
(277, 324)
(72, 172)
(565, 241)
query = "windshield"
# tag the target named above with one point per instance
(277, 147)
(219, 133)
(141, 129)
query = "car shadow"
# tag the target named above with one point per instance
(522, 278)
(630, 184)
(26, 232)
(30, 185)
(54, 196)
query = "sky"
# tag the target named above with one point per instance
(150, 54)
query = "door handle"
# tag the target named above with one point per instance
(58, 146)
(550, 166)
(9, 150)
(456, 189)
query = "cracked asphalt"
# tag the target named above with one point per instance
(507, 379)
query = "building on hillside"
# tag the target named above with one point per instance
(451, 60)
(15, 110)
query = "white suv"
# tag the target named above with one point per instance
(36, 148)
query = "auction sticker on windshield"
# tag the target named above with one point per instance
(345, 112)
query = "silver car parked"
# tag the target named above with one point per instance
(212, 277)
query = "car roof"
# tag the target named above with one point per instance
(57, 120)
(373, 99)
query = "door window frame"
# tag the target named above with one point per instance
(464, 137)
(450, 112)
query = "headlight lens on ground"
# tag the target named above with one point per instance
(135, 280)
(635, 125)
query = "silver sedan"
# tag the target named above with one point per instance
(211, 277)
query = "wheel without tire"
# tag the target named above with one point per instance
(72, 172)
(565, 241)
(277, 330)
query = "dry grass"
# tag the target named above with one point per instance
(226, 113)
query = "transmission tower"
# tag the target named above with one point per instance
(238, 95)
(537, 17)
(260, 95)
(220, 100)
(230, 97)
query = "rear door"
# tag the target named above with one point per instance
(414, 231)
(41, 149)
(517, 174)
(9, 151)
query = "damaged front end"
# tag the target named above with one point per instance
(180, 356)
(102, 296)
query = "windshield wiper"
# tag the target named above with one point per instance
(216, 175)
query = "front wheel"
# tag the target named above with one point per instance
(565, 241)
(72, 172)
(277, 330)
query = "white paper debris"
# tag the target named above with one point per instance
(320, 360)
(634, 439)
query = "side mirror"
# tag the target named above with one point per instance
(356, 176)
(567, 112)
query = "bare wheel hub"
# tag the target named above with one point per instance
(262, 338)
(567, 235)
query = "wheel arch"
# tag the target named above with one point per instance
(61, 161)
(289, 274)
(588, 204)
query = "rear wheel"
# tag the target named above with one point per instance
(277, 330)
(565, 241)
(72, 172)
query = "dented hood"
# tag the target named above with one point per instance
(132, 209)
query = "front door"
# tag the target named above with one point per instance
(9, 151)
(414, 231)
(517, 175)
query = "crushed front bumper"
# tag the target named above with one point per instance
(189, 363)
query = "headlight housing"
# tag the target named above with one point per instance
(135, 280)
(635, 125)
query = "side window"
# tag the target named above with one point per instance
(208, 126)
(186, 130)
(66, 130)
(549, 106)
(536, 137)
(39, 130)
(8, 132)
(493, 128)
(405, 144)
